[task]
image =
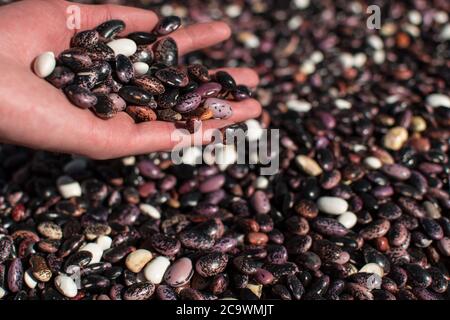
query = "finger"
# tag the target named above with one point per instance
(245, 76)
(160, 135)
(134, 18)
(201, 35)
(242, 111)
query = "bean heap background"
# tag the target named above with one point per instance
(359, 209)
(138, 74)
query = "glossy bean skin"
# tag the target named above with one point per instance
(15, 275)
(371, 120)
(111, 28)
(166, 52)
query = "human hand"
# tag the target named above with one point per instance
(35, 114)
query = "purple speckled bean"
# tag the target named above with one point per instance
(126, 214)
(277, 254)
(225, 244)
(139, 291)
(219, 284)
(327, 119)
(211, 264)
(327, 250)
(432, 228)
(425, 294)
(296, 286)
(260, 202)
(310, 260)
(6, 245)
(398, 234)
(411, 207)
(149, 170)
(245, 265)
(263, 277)
(397, 171)
(164, 292)
(376, 229)
(329, 227)
(15, 275)
(76, 59)
(299, 244)
(381, 192)
(215, 197)
(418, 181)
(221, 109)
(124, 68)
(188, 102)
(208, 90)
(281, 270)
(206, 209)
(61, 77)
(194, 239)
(118, 103)
(81, 97)
(168, 182)
(211, 184)
(165, 245)
(430, 168)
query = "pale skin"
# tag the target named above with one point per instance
(35, 114)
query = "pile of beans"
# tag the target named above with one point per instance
(358, 211)
(138, 74)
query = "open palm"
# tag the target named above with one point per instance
(35, 114)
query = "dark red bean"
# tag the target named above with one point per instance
(219, 284)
